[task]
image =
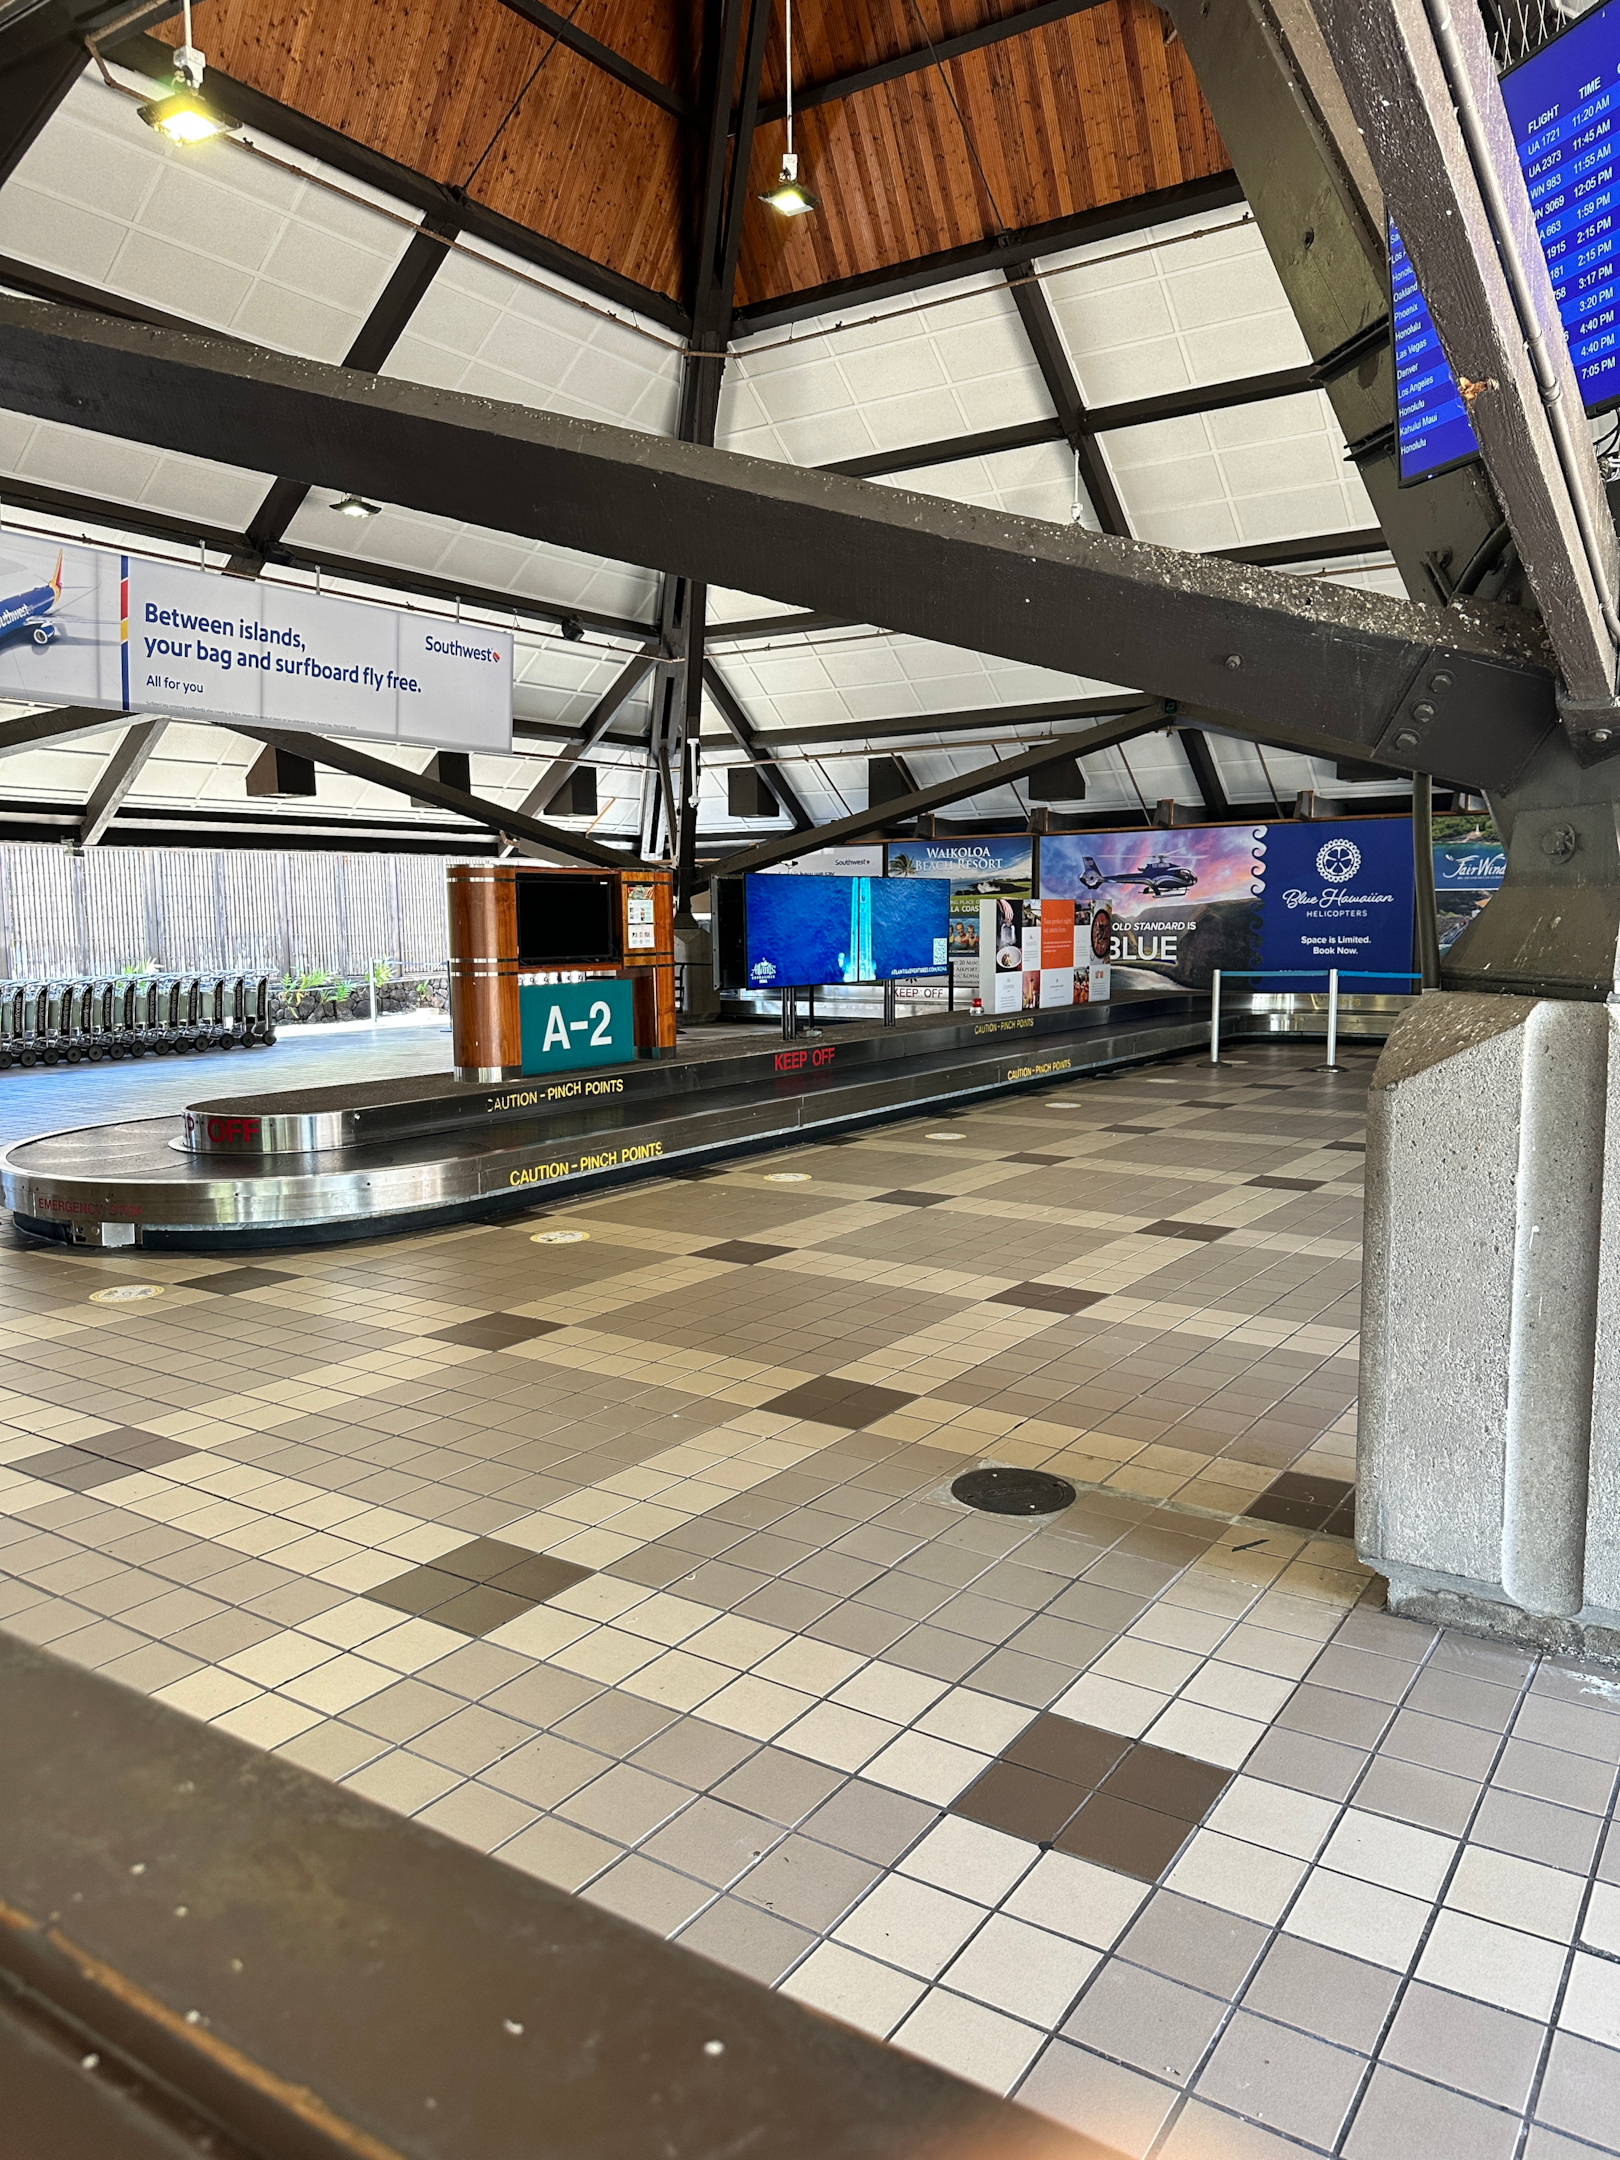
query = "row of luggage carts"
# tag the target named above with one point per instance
(83, 1021)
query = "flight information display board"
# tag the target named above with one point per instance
(1431, 420)
(1562, 103)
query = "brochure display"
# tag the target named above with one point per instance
(1035, 956)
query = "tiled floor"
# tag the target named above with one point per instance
(1144, 1811)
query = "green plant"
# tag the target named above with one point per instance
(382, 971)
(136, 970)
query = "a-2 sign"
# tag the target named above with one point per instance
(566, 1025)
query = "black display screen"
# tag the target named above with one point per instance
(728, 923)
(563, 919)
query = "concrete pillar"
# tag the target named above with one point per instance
(1488, 1483)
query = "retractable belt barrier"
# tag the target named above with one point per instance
(83, 1019)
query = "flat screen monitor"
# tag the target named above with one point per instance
(805, 930)
(1562, 106)
(562, 919)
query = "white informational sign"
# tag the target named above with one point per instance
(79, 626)
(832, 862)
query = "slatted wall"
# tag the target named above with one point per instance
(216, 910)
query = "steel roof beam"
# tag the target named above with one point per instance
(348, 757)
(1292, 659)
(118, 776)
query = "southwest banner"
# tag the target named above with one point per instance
(79, 626)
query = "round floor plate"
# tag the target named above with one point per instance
(1006, 1491)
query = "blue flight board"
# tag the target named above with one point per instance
(1431, 420)
(1562, 105)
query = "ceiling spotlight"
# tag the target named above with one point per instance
(790, 195)
(356, 506)
(186, 117)
(572, 629)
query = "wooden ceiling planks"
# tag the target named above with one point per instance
(585, 160)
(1090, 110)
(1095, 108)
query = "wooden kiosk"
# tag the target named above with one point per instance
(516, 927)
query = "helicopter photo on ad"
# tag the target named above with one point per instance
(1178, 904)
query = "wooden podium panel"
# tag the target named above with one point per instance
(487, 969)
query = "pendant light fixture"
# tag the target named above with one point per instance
(790, 195)
(186, 117)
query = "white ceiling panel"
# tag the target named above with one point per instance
(1142, 318)
(914, 375)
(105, 468)
(215, 233)
(492, 328)
(477, 555)
(1273, 471)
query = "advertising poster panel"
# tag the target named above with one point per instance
(1170, 905)
(81, 626)
(1033, 956)
(1175, 905)
(1339, 896)
(973, 869)
(1469, 865)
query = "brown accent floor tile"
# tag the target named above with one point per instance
(742, 1251)
(1287, 1184)
(1302, 1502)
(539, 1577)
(230, 1281)
(838, 1402)
(1021, 1802)
(912, 1199)
(1349, 1147)
(1081, 1755)
(418, 1590)
(482, 1559)
(1116, 1834)
(1045, 1161)
(1047, 1297)
(476, 1611)
(67, 1467)
(134, 1449)
(1170, 1784)
(1201, 1233)
(494, 1331)
(1142, 1131)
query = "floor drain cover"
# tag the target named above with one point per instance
(1013, 1492)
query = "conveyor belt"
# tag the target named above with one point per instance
(238, 1173)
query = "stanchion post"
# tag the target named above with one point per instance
(1215, 1018)
(790, 1004)
(1333, 1020)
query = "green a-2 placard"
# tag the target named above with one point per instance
(566, 1025)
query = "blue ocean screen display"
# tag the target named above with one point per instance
(1561, 105)
(805, 930)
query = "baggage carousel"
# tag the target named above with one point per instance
(265, 1169)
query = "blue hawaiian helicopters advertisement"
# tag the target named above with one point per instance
(1177, 904)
